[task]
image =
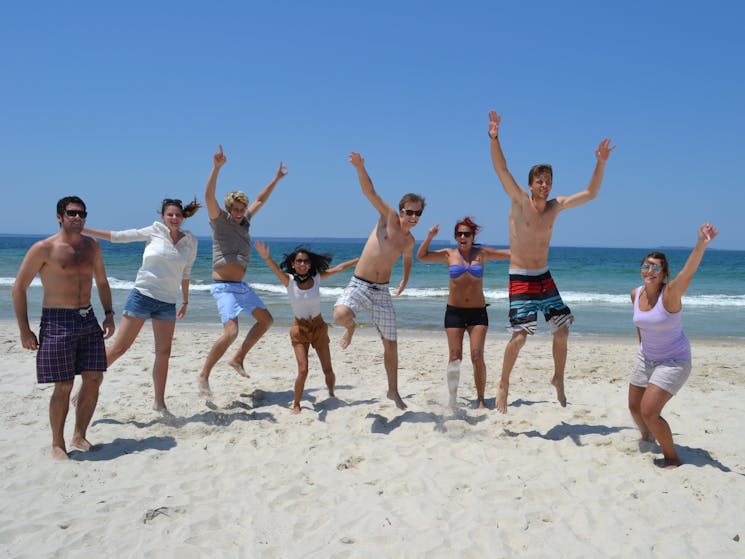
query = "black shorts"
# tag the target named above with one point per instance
(460, 317)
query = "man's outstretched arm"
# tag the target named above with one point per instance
(384, 208)
(591, 192)
(509, 184)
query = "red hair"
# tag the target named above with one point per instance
(468, 222)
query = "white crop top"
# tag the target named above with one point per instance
(306, 303)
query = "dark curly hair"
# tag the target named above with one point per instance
(318, 262)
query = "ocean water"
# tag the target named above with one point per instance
(594, 282)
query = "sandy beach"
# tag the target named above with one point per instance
(241, 476)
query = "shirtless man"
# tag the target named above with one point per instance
(231, 250)
(531, 287)
(71, 341)
(368, 288)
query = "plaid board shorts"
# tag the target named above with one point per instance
(531, 292)
(361, 294)
(70, 343)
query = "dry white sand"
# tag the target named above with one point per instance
(241, 476)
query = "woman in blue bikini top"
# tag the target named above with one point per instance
(466, 308)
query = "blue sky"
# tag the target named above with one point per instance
(123, 103)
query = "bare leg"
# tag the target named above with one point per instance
(229, 334)
(87, 400)
(126, 333)
(636, 393)
(508, 362)
(163, 334)
(324, 356)
(477, 336)
(390, 358)
(59, 404)
(653, 401)
(264, 320)
(455, 357)
(344, 316)
(301, 355)
(560, 360)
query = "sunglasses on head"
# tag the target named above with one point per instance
(174, 201)
(466, 234)
(73, 213)
(417, 213)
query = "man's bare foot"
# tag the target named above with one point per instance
(346, 338)
(501, 403)
(481, 404)
(81, 443)
(204, 387)
(238, 368)
(559, 385)
(667, 464)
(59, 453)
(296, 408)
(396, 399)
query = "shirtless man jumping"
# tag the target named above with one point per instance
(531, 288)
(368, 288)
(70, 340)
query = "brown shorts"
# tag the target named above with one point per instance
(314, 331)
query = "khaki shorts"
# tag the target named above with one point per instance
(314, 332)
(669, 375)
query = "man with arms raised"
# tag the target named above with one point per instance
(70, 340)
(531, 288)
(368, 288)
(231, 251)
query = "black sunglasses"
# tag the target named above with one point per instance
(73, 213)
(466, 234)
(413, 212)
(175, 201)
(302, 261)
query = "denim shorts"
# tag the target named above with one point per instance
(144, 307)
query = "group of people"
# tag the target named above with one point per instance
(71, 342)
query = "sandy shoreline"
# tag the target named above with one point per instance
(241, 476)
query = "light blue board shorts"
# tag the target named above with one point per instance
(234, 297)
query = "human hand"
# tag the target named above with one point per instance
(604, 149)
(433, 231)
(281, 171)
(494, 122)
(706, 233)
(219, 159)
(29, 340)
(357, 160)
(262, 248)
(108, 326)
(399, 289)
(182, 311)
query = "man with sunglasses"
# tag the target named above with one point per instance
(71, 341)
(531, 287)
(368, 288)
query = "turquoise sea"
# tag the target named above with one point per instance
(594, 282)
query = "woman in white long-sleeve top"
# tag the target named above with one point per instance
(166, 265)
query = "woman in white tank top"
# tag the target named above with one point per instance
(300, 272)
